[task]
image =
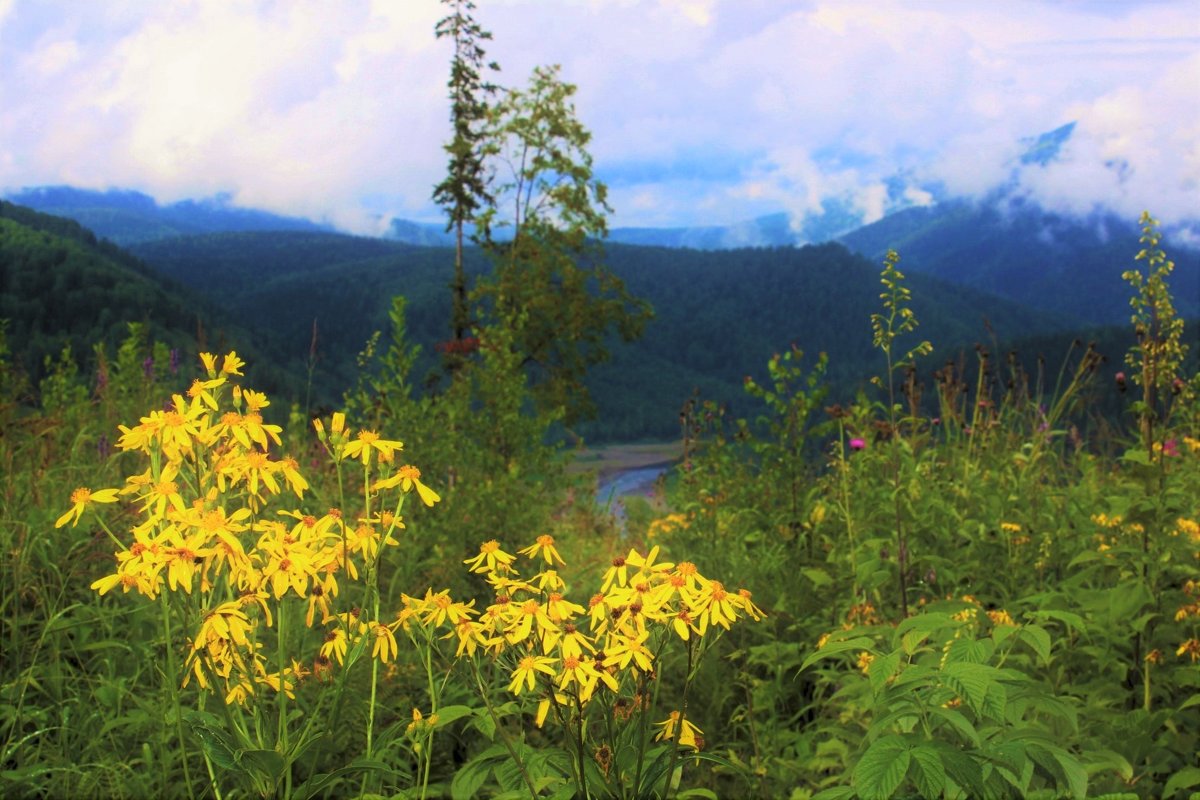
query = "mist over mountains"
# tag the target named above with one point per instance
(998, 267)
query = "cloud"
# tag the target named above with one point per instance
(702, 111)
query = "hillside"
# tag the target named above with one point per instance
(719, 314)
(1027, 255)
(126, 217)
(59, 287)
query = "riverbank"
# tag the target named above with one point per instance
(609, 461)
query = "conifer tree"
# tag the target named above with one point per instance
(464, 189)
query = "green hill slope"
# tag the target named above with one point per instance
(59, 287)
(719, 314)
(1027, 255)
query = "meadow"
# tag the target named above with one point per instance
(963, 583)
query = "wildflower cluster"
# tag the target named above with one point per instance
(564, 653)
(209, 541)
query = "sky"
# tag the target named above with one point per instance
(703, 112)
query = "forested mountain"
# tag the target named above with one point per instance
(1025, 254)
(126, 217)
(718, 314)
(61, 287)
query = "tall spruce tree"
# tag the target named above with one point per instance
(465, 188)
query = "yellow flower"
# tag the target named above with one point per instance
(687, 731)
(646, 564)
(385, 643)
(80, 498)
(585, 675)
(713, 606)
(367, 441)
(232, 365)
(470, 636)
(622, 650)
(335, 645)
(490, 557)
(407, 478)
(545, 546)
(146, 583)
(1001, 617)
(182, 555)
(522, 619)
(291, 473)
(525, 675)
(226, 622)
(440, 608)
(255, 401)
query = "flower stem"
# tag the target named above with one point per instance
(171, 678)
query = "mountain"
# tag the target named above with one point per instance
(1019, 251)
(422, 233)
(61, 287)
(773, 230)
(127, 217)
(719, 314)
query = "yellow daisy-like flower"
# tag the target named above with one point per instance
(545, 546)
(226, 622)
(385, 647)
(408, 478)
(80, 498)
(622, 650)
(525, 675)
(490, 557)
(367, 441)
(232, 365)
(686, 731)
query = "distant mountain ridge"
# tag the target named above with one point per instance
(1021, 252)
(125, 216)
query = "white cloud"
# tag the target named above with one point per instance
(337, 110)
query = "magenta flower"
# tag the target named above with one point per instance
(857, 443)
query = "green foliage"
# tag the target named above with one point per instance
(551, 211)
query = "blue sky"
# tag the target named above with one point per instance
(702, 111)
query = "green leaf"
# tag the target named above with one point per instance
(971, 681)
(959, 722)
(467, 782)
(448, 714)
(268, 763)
(962, 769)
(1183, 779)
(882, 668)
(881, 769)
(835, 793)
(1039, 639)
(1102, 760)
(927, 771)
(1072, 620)
(819, 577)
(318, 784)
(484, 723)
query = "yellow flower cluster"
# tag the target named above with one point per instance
(668, 524)
(563, 650)
(205, 533)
